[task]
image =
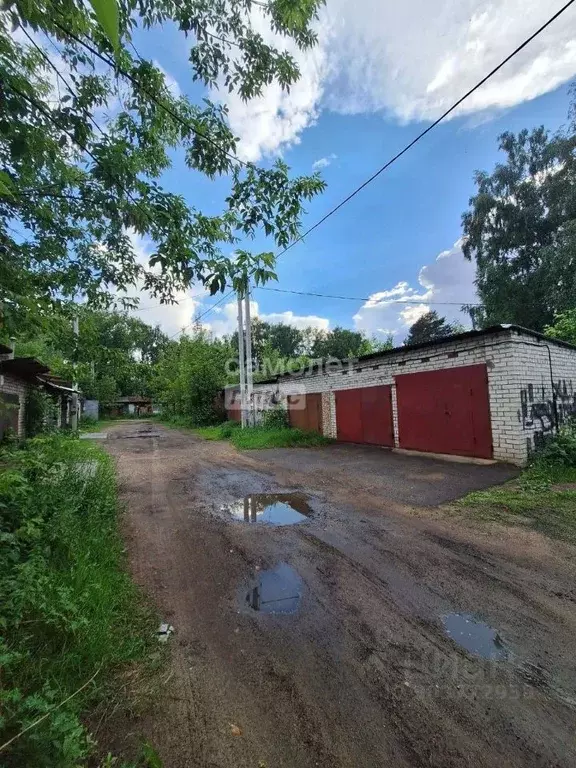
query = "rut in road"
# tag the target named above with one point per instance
(363, 673)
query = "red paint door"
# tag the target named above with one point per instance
(349, 416)
(445, 411)
(377, 423)
(305, 411)
(364, 415)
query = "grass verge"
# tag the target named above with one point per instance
(543, 498)
(70, 612)
(262, 437)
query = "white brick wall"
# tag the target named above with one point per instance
(519, 384)
(13, 386)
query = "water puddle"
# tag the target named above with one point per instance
(275, 591)
(475, 636)
(270, 509)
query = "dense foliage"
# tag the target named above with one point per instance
(68, 610)
(112, 356)
(189, 377)
(87, 130)
(564, 326)
(278, 347)
(430, 327)
(520, 230)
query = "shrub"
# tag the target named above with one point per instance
(559, 451)
(276, 418)
(227, 429)
(68, 607)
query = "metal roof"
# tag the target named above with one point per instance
(23, 367)
(493, 330)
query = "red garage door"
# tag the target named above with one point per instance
(365, 415)
(305, 412)
(446, 411)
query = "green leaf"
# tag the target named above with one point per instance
(6, 185)
(107, 14)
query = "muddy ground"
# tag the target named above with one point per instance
(354, 667)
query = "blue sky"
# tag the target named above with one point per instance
(375, 80)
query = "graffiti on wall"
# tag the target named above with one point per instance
(539, 411)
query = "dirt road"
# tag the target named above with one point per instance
(329, 642)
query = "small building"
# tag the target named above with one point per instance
(132, 405)
(17, 376)
(61, 393)
(495, 394)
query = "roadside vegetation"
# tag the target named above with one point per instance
(543, 497)
(72, 620)
(252, 438)
(274, 431)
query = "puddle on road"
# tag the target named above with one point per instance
(475, 636)
(275, 591)
(270, 509)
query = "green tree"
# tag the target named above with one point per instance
(74, 184)
(563, 327)
(429, 327)
(340, 343)
(520, 230)
(189, 377)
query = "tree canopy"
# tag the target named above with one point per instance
(89, 126)
(430, 327)
(520, 230)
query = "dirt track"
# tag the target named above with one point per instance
(363, 674)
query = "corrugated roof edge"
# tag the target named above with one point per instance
(492, 330)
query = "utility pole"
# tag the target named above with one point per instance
(249, 380)
(74, 414)
(241, 361)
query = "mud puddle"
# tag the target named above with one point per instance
(278, 590)
(270, 509)
(475, 636)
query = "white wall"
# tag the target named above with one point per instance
(519, 384)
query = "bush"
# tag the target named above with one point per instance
(559, 451)
(69, 609)
(228, 428)
(260, 437)
(276, 418)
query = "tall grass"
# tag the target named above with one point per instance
(254, 438)
(69, 609)
(543, 497)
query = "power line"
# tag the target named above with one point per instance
(149, 94)
(430, 127)
(368, 298)
(199, 317)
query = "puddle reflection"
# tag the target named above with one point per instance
(270, 509)
(475, 636)
(278, 590)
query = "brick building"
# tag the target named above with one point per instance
(490, 394)
(17, 376)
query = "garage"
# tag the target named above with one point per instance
(305, 412)
(445, 411)
(364, 415)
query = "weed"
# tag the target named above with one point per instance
(262, 437)
(542, 498)
(69, 608)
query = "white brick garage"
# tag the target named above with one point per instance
(531, 383)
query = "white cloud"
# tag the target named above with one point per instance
(323, 162)
(170, 317)
(223, 321)
(444, 285)
(410, 60)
